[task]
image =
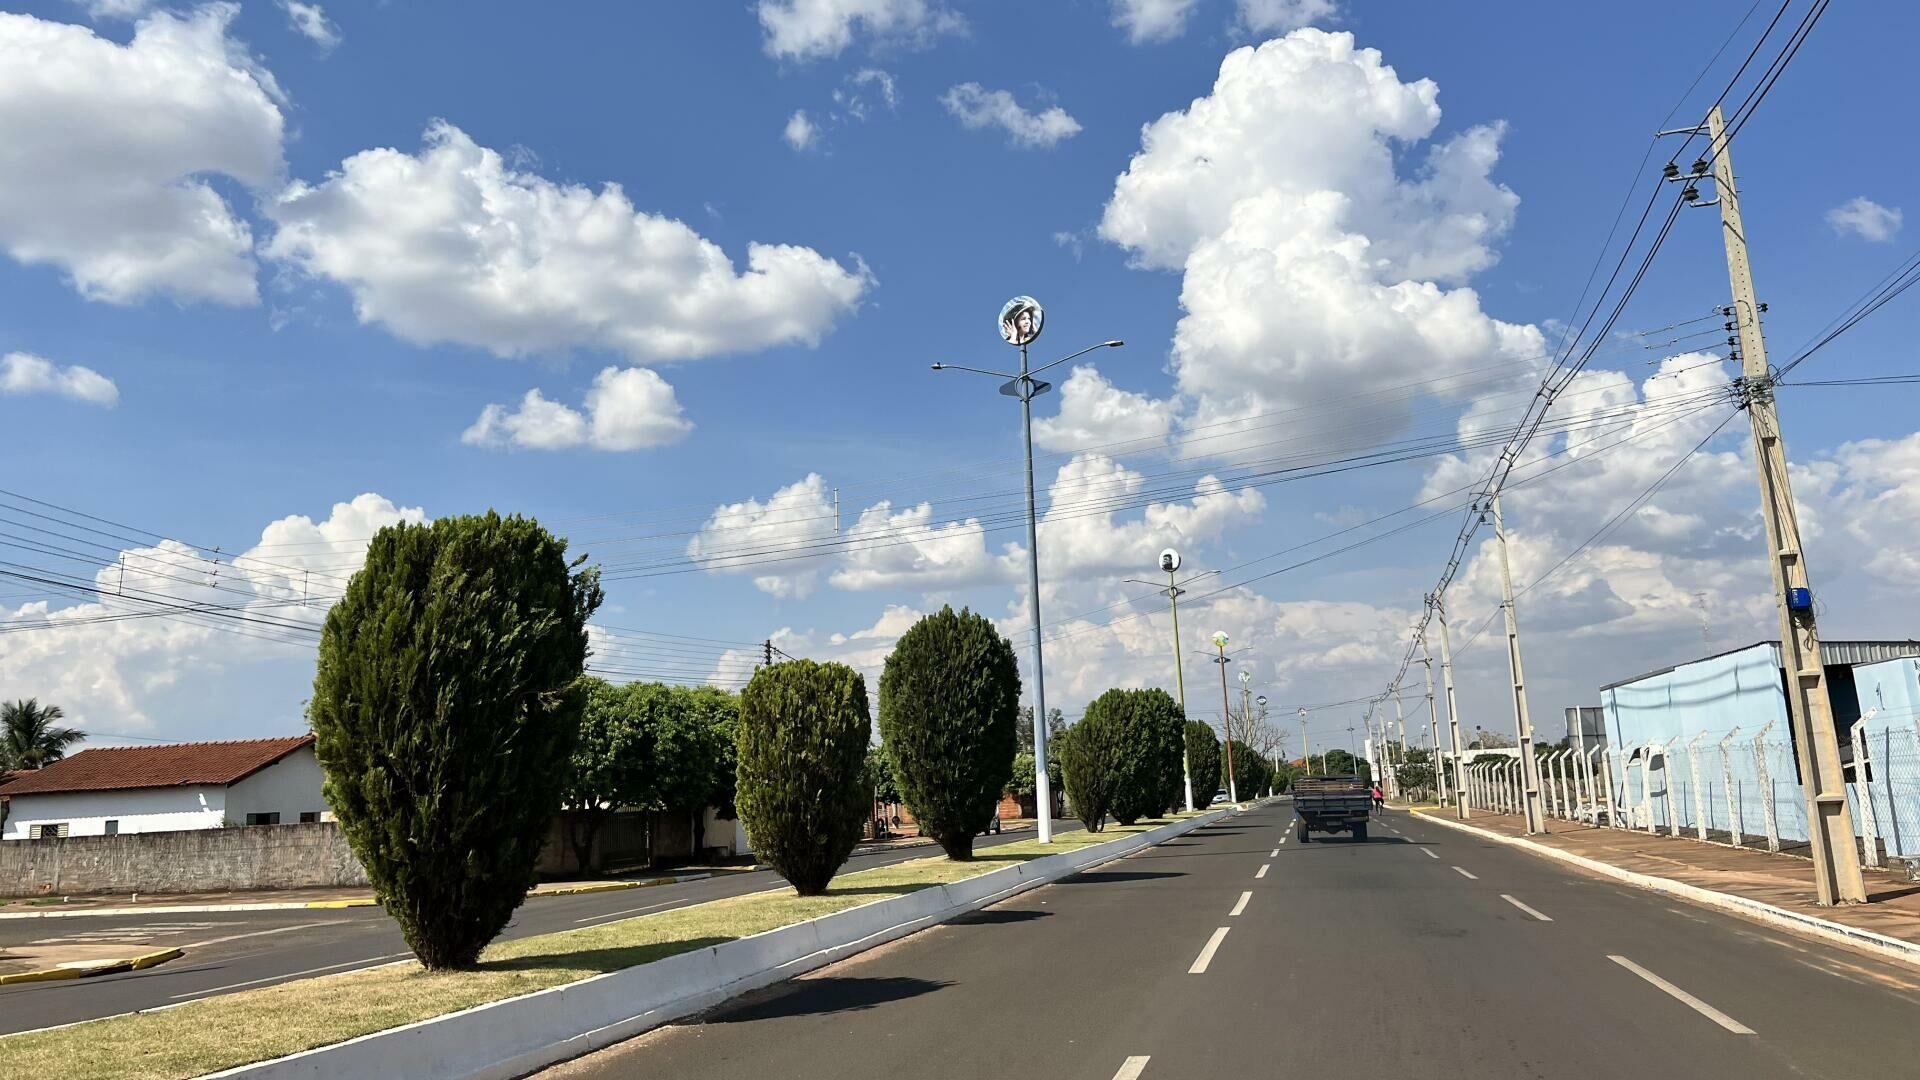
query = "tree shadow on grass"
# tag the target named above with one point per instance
(827, 995)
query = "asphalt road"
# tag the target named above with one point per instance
(1424, 952)
(245, 949)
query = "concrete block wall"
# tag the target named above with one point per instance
(196, 860)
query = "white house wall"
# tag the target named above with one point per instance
(86, 813)
(288, 787)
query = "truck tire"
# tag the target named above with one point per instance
(1360, 833)
(1305, 836)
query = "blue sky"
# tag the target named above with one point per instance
(357, 368)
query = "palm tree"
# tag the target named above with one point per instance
(28, 737)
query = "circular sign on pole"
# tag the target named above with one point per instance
(1169, 560)
(1220, 639)
(1021, 320)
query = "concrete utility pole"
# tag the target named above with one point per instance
(1522, 721)
(1306, 757)
(1226, 713)
(1400, 722)
(1433, 726)
(1453, 707)
(1836, 862)
(1170, 562)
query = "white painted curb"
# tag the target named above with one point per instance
(511, 1038)
(1891, 948)
(317, 905)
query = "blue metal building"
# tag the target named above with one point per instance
(1710, 740)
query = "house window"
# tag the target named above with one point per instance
(52, 830)
(263, 819)
(113, 826)
(309, 817)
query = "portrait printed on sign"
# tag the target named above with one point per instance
(1021, 320)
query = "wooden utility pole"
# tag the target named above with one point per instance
(1836, 862)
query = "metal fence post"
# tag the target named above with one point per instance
(1699, 797)
(1666, 793)
(1862, 781)
(1736, 816)
(1615, 760)
(1768, 813)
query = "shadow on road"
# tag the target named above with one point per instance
(994, 916)
(1101, 877)
(830, 994)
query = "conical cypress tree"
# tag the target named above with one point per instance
(1151, 743)
(804, 732)
(949, 709)
(445, 704)
(1203, 757)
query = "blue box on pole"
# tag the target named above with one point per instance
(1799, 599)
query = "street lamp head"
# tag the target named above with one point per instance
(1261, 701)
(1114, 344)
(1245, 676)
(937, 367)
(1219, 639)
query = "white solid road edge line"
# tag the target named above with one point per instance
(1465, 874)
(1881, 945)
(1241, 905)
(1206, 955)
(1685, 998)
(1131, 1068)
(1525, 908)
(1262, 872)
(290, 976)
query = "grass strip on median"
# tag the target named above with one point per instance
(222, 1032)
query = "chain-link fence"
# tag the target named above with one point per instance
(1721, 786)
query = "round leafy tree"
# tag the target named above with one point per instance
(801, 784)
(1152, 722)
(1203, 756)
(445, 703)
(949, 706)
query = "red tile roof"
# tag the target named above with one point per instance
(117, 768)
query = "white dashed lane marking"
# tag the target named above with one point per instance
(1465, 874)
(1525, 908)
(1262, 872)
(1241, 905)
(1685, 998)
(1206, 955)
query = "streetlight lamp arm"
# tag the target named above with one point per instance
(1076, 356)
(981, 371)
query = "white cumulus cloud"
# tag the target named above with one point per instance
(25, 373)
(977, 107)
(1094, 412)
(312, 23)
(1314, 270)
(105, 150)
(452, 245)
(627, 409)
(800, 132)
(1280, 16)
(1152, 20)
(113, 669)
(812, 29)
(1866, 219)
(778, 541)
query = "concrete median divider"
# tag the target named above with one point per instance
(511, 1038)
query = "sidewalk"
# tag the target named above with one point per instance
(1782, 882)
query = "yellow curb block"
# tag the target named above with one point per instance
(84, 971)
(365, 901)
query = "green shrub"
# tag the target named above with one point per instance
(1090, 761)
(446, 702)
(1152, 724)
(1251, 771)
(804, 733)
(1203, 756)
(949, 704)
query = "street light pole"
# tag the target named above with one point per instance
(1226, 714)
(1170, 562)
(1306, 756)
(1025, 387)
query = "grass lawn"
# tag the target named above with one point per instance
(255, 1025)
